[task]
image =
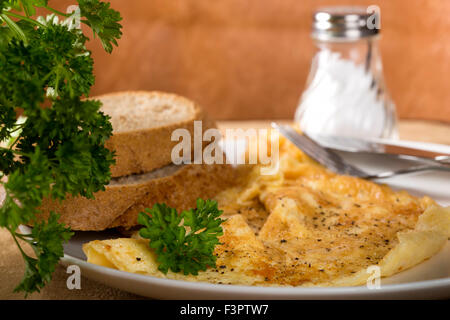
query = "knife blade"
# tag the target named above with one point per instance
(350, 144)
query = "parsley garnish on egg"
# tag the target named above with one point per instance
(58, 149)
(183, 242)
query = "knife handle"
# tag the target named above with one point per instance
(407, 151)
(443, 160)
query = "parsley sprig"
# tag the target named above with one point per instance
(183, 242)
(46, 72)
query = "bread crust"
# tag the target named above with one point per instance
(120, 204)
(84, 214)
(181, 191)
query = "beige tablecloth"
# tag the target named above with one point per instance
(12, 268)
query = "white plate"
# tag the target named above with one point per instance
(430, 279)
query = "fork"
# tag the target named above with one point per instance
(334, 161)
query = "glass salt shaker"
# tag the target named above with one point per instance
(345, 92)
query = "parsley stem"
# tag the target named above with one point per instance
(15, 15)
(13, 27)
(13, 234)
(25, 237)
(58, 12)
(18, 127)
(11, 147)
(16, 152)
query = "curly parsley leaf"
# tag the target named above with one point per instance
(103, 21)
(183, 242)
(19, 207)
(7, 120)
(46, 240)
(45, 74)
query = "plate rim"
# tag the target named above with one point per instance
(438, 283)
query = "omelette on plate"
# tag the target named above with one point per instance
(304, 226)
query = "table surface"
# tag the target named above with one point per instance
(11, 264)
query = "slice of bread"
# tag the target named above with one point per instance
(143, 123)
(119, 205)
(144, 174)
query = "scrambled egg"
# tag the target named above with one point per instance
(304, 226)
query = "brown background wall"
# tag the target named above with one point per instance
(248, 59)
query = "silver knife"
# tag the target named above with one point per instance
(381, 147)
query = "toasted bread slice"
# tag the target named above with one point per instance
(143, 123)
(118, 206)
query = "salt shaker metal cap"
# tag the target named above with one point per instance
(344, 23)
